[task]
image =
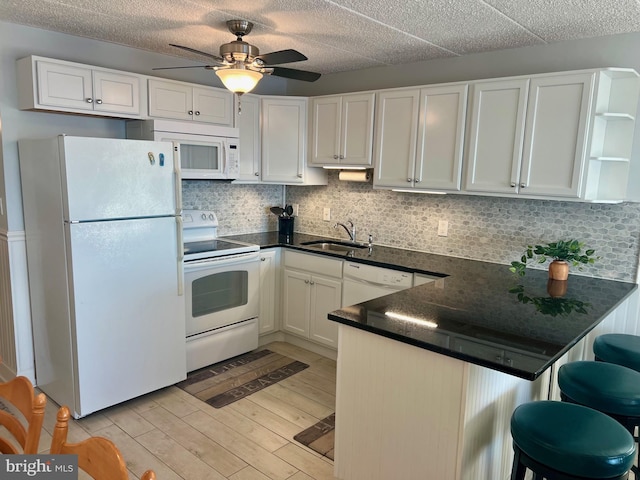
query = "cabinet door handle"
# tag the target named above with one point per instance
(409, 180)
(257, 174)
(523, 185)
(99, 101)
(513, 185)
(341, 157)
(197, 112)
(312, 283)
(263, 259)
(335, 157)
(306, 281)
(89, 100)
(190, 112)
(299, 175)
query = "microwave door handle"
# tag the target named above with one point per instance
(180, 256)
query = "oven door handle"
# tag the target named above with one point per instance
(180, 256)
(238, 259)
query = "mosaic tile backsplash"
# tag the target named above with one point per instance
(490, 229)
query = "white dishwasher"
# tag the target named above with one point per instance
(362, 282)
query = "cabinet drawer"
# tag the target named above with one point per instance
(316, 264)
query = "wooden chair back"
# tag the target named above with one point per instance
(20, 397)
(97, 456)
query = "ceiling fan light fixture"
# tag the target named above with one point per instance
(239, 80)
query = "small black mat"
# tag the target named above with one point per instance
(319, 437)
(225, 382)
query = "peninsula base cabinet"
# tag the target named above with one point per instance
(312, 287)
(404, 412)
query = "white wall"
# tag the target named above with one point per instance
(17, 41)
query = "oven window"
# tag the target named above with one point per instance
(200, 157)
(218, 292)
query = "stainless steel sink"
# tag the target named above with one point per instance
(330, 246)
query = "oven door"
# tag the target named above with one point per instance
(221, 291)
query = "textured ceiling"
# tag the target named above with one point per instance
(336, 35)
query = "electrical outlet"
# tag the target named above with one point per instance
(295, 209)
(326, 214)
(443, 228)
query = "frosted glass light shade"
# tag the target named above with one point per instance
(239, 80)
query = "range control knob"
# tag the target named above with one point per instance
(211, 217)
(204, 216)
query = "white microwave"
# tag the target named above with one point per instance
(206, 152)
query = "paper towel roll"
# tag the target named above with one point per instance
(355, 175)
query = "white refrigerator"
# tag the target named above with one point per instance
(104, 254)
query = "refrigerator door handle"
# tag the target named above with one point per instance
(177, 177)
(180, 256)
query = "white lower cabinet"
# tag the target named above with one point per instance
(312, 287)
(269, 283)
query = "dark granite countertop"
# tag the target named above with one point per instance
(480, 312)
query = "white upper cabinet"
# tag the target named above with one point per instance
(248, 123)
(48, 84)
(558, 112)
(186, 101)
(420, 137)
(395, 138)
(557, 136)
(284, 147)
(496, 133)
(342, 130)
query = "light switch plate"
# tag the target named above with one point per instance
(326, 214)
(443, 228)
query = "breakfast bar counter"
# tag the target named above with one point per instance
(428, 377)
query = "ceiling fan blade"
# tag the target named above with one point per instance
(192, 66)
(193, 50)
(282, 56)
(295, 74)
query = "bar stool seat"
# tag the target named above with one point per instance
(607, 387)
(619, 348)
(565, 441)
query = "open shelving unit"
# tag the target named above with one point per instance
(611, 137)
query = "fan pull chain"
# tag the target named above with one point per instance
(239, 104)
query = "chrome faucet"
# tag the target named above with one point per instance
(351, 229)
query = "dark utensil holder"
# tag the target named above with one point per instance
(285, 226)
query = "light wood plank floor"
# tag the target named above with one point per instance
(181, 437)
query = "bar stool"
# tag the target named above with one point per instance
(618, 348)
(565, 441)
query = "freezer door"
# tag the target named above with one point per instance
(105, 178)
(128, 326)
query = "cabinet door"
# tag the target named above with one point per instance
(555, 137)
(356, 131)
(64, 86)
(325, 130)
(495, 136)
(213, 105)
(326, 296)
(170, 100)
(395, 144)
(248, 122)
(441, 137)
(284, 127)
(296, 302)
(116, 93)
(268, 279)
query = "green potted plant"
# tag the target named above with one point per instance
(561, 253)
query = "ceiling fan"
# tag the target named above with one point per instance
(240, 65)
